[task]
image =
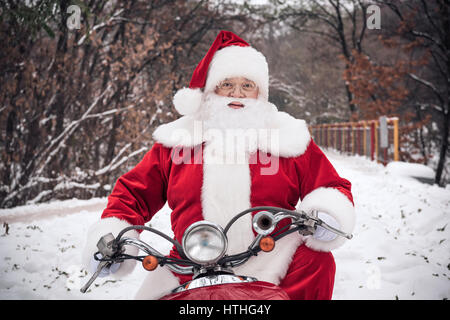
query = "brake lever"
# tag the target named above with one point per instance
(101, 265)
(312, 221)
(107, 248)
(336, 231)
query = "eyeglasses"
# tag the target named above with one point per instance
(246, 86)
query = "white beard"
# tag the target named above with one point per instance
(235, 132)
(216, 114)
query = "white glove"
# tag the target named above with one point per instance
(323, 234)
(93, 265)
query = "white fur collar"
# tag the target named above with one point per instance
(293, 135)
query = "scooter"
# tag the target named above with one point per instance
(203, 255)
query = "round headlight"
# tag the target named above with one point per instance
(204, 242)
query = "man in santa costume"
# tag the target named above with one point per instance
(232, 150)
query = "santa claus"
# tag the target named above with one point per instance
(232, 150)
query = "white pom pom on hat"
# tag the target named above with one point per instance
(187, 100)
(229, 56)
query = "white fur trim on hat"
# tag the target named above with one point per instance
(337, 205)
(236, 61)
(98, 230)
(187, 100)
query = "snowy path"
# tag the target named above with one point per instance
(400, 249)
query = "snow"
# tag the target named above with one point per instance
(415, 170)
(400, 248)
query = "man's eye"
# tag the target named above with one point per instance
(227, 85)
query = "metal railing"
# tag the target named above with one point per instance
(375, 139)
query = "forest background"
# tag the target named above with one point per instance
(83, 84)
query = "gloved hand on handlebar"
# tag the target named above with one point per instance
(93, 265)
(323, 234)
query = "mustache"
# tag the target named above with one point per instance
(225, 101)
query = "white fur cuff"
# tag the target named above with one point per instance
(337, 205)
(99, 229)
(157, 284)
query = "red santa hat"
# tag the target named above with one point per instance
(229, 56)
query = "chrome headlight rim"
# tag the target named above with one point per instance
(207, 224)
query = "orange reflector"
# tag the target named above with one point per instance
(267, 244)
(150, 263)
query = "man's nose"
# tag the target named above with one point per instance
(236, 93)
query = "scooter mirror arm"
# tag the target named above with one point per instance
(273, 210)
(161, 234)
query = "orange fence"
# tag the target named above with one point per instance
(376, 139)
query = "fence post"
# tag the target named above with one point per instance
(343, 144)
(376, 139)
(384, 137)
(372, 140)
(334, 137)
(349, 138)
(320, 134)
(396, 151)
(357, 143)
(353, 138)
(339, 134)
(364, 138)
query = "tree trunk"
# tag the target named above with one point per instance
(444, 149)
(446, 108)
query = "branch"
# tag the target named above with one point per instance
(320, 33)
(394, 8)
(68, 131)
(431, 20)
(364, 25)
(111, 167)
(98, 26)
(291, 89)
(107, 167)
(108, 112)
(429, 85)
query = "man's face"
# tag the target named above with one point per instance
(237, 87)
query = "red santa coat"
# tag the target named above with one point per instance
(178, 169)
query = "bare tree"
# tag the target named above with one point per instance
(341, 22)
(79, 106)
(425, 27)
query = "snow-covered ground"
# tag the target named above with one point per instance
(400, 249)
